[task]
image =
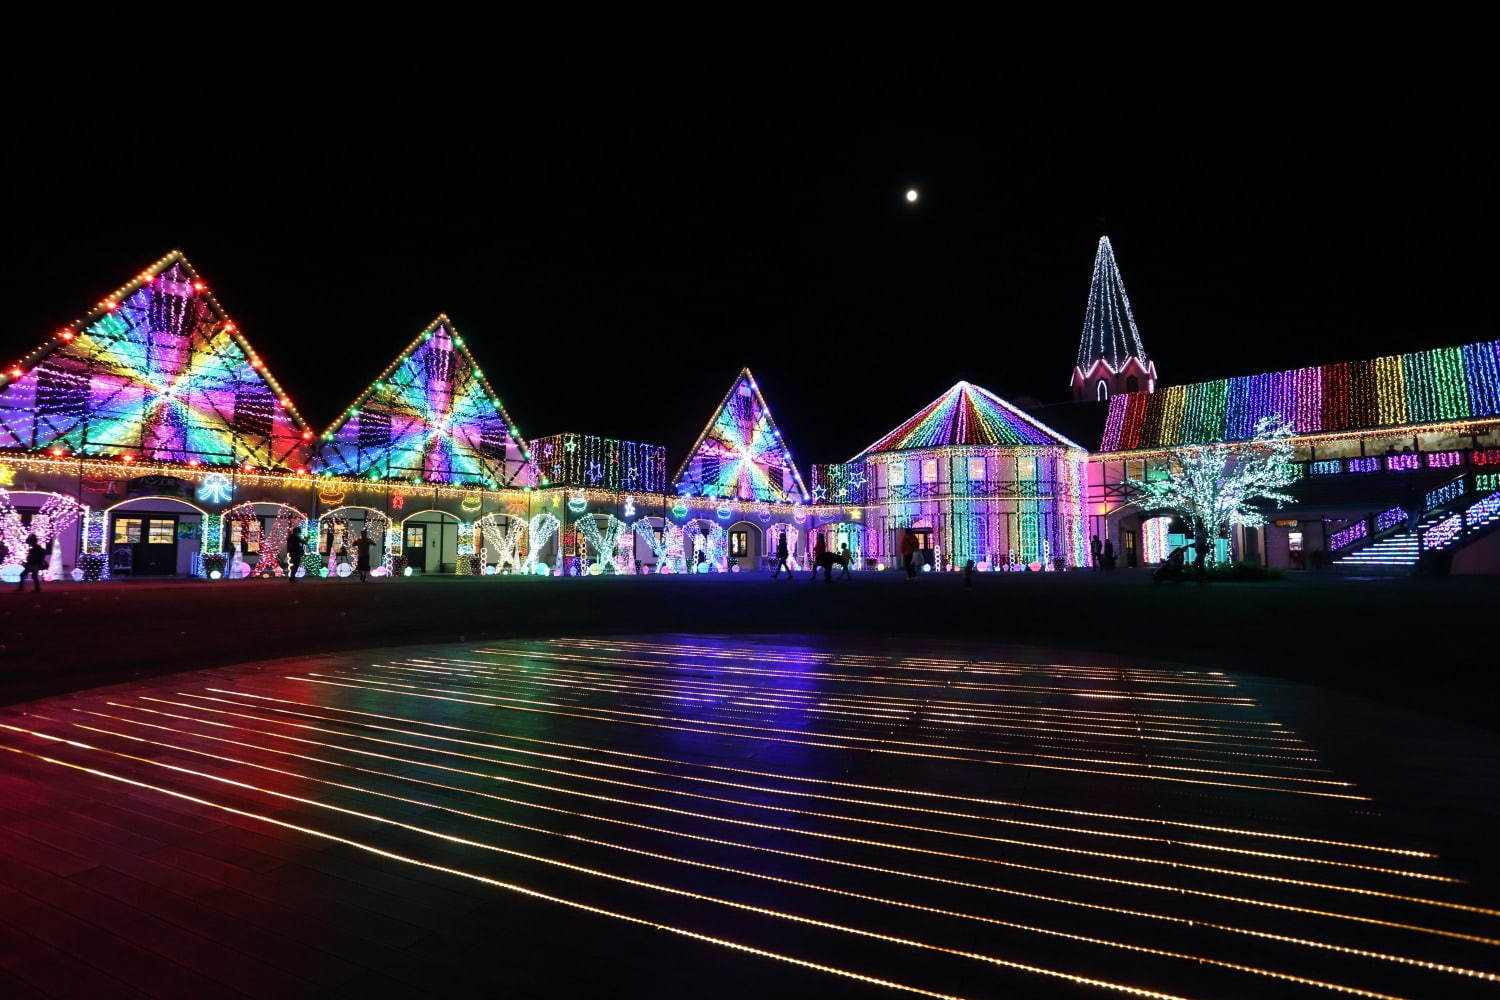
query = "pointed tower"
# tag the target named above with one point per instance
(1111, 358)
(155, 372)
(740, 454)
(430, 417)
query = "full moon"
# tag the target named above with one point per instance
(911, 194)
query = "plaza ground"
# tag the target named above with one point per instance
(1425, 644)
(656, 815)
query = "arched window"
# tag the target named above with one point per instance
(1103, 389)
(1132, 384)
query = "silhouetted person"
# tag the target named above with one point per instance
(1098, 550)
(36, 561)
(781, 558)
(362, 559)
(848, 558)
(909, 552)
(1109, 553)
(1200, 554)
(968, 574)
(1413, 499)
(820, 549)
(295, 550)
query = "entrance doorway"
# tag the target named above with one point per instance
(150, 539)
(416, 547)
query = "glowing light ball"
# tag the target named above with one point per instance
(215, 575)
(345, 569)
(489, 571)
(735, 568)
(1035, 567)
(880, 567)
(243, 571)
(11, 572)
(911, 196)
(666, 568)
(704, 568)
(380, 571)
(596, 569)
(927, 567)
(406, 571)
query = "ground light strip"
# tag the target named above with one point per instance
(1205, 700)
(857, 715)
(1184, 921)
(399, 672)
(916, 792)
(639, 883)
(315, 678)
(1229, 872)
(1058, 872)
(812, 886)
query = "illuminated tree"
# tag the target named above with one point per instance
(1213, 486)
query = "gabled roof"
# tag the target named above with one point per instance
(1109, 330)
(156, 371)
(967, 415)
(430, 417)
(740, 453)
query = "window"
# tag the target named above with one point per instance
(1135, 468)
(245, 535)
(161, 532)
(929, 470)
(1294, 541)
(1103, 389)
(416, 536)
(976, 468)
(897, 476)
(1026, 467)
(739, 544)
(127, 530)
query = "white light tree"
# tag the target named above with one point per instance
(1217, 485)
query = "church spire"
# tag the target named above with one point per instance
(1111, 357)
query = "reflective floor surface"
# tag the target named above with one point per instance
(725, 815)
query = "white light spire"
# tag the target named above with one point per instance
(1109, 330)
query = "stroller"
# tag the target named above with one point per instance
(1174, 567)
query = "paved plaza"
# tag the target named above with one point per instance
(731, 815)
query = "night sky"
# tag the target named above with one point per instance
(612, 269)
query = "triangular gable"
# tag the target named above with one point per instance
(740, 453)
(967, 415)
(430, 417)
(157, 372)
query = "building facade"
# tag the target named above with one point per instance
(148, 438)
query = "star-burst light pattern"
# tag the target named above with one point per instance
(740, 454)
(157, 372)
(431, 417)
(966, 415)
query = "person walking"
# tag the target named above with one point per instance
(781, 558)
(909, 552)
(1109, 553)
(362, 559)
(1098, 550)
(848, 558)
(36, 561)
(820, 550)
(295, 549)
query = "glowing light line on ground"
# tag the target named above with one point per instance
(915, 792)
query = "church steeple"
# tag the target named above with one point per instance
(1111, 357)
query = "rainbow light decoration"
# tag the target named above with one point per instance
(740, 454)
(967, 415)
(430, 417)
(600, 463)
(1434, 386)
(157, 371)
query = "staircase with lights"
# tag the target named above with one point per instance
(1383, 544)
